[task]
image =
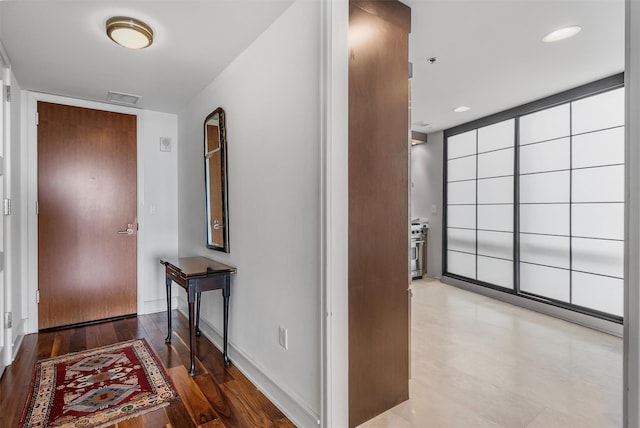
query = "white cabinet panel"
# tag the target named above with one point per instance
(545, 125)
(598, 112)
(497, 136)
(462, 192)
(461, 169)
(598, 256)
(495, 190)
(552, 219)
(598, 148)
(461, 264)
(461, 240)
(598, 292)
(461, 145)
(495, 164)
(545, 250)
(545, 281)
(545, 187)
(495, 271)
(604, 184)
(496, 217)
(495, 244)
(598, 220)
(461, 216)
(554, 155)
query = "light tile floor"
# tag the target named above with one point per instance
(479, 362)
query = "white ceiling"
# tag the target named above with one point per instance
(490, 53)
(61, 47)
(491, 56)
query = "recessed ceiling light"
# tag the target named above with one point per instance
(562, 33)
(461, 109)
(129, 32)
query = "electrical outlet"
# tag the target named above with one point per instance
(283, 338)
(434, 209)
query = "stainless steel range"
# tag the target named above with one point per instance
(419, 233)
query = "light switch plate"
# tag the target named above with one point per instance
(165, 144)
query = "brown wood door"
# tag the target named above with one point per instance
(378, 207)
(87, 193)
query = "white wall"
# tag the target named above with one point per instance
(157, 210)
(157, 196)
(426, 193)
(17, 218)
(632, 218)
(270, 94)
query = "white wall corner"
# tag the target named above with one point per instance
(631, 352)
(293, 407)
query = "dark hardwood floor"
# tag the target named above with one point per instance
(216, 396)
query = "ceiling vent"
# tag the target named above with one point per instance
(125, 99)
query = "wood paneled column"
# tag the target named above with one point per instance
(378, 207)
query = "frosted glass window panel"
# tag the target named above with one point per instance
(497, 136)
(495, 190)
(495, 217)
(495, 244)
(551, 219)
(603, 184)
(495, 164)
(462, 192)
(598, 292)
(598, 148)
(461, 240)
(461, 169)
(554, 155)
(598, 220)
(598, 256)
(545, 250)
(545, 125)
(461, 264)
(545, 281)
(545, 187)
(463, 216)
(495, 271)
(461, 145)
(597, 112)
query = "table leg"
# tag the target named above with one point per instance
(226, 293)
(192, 329)
(168, 338)
(198, 297)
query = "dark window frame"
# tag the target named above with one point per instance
(594, 88)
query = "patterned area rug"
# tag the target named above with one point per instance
(98, 387)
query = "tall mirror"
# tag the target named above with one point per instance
(215, 172)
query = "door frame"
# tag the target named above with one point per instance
(32, 191)
(6, 332)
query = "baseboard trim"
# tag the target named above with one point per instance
(157, 305)
(554, 311)
(18, 342)
(292, 406)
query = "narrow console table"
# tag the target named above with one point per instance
(195, 275)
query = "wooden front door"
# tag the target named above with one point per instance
(87, 192)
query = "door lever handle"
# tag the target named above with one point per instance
(128, 231)
(217, 225)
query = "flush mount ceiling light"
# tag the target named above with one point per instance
(129, 32)
(461, 109)
(562, 33)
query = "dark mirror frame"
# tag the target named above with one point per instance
(212, 202)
